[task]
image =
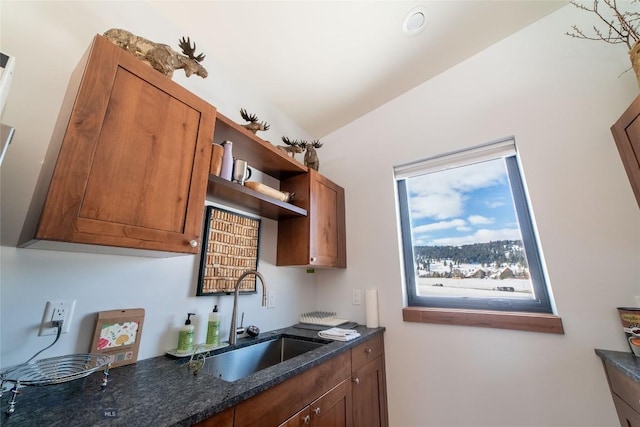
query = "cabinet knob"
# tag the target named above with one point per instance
(306, 419)
(193, 243)
(313, 259)
(317, 411)
(368, 351)
(356, 380)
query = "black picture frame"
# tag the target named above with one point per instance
(230, 246)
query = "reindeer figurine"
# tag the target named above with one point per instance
(253, 125)
(291, 148)
(310, 156)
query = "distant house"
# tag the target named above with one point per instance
(477, 274)
(506, 273)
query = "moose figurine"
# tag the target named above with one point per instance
(310, 156)
(292, 147)
(159, 56)
(254, 125)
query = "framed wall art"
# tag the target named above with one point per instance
(118, 334)
(229, 248)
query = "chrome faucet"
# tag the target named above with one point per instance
(234, 313)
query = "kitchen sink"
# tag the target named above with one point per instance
(236, 364)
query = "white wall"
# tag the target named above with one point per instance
(558, 96)
(48, 39)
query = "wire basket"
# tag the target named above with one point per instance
(55, 370)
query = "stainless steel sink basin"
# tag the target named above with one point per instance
(244, 361)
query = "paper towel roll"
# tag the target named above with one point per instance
(371, 307)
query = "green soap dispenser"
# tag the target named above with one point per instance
(185, 335)
(213, 329)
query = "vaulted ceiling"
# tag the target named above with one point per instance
(326, 63)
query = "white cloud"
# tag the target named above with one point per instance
(480, 236)
(479, 220)
(442, 225)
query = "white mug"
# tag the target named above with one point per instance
(241, 171)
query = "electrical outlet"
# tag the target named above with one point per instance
(57, 310)
(271, 299)
(356, 297)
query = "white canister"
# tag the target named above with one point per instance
(227, 161)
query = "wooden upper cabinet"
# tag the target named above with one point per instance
(317, 240)
(133, 166)
(626, 132)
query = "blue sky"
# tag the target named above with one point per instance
(464, 205)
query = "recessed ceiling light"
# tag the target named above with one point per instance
(415, 21)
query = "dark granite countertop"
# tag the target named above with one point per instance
(626, 362)
(160, 391)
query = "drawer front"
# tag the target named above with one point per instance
(366, 352)
(626, 388)
(627, 416)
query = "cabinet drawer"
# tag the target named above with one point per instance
(626, 388)
(627, 416)
(366, 352)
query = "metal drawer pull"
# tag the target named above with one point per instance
(356, 380)
(193, 243)
(368, 351)
(307, 419)
(317, 411)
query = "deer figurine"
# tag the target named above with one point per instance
(291, 148)
(310, 156)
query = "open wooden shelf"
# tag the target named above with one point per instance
(260, 154)
(240, 197)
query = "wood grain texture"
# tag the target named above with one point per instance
(133, 166)
(535, 322)
(318, 240)
(279, 403)
(626, 133)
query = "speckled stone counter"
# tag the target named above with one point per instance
(160, 391)
(626, 362)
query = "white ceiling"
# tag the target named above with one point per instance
(326, 63)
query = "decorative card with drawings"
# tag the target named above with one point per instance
(230, 247)
(118, 334)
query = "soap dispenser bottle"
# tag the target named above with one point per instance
(185, 335)
(213, 329)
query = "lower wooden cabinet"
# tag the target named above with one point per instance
(278, 404)
(369, 388)
(626, 396)
(332, 409)
(222, 419)
(347, 390)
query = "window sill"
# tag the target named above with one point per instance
(534, 322)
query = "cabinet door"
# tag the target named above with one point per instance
(369, 395)
(133, 165)
(626, 132)
(327, 230)
(627, 416)
(333, 409)
(317, 240)
(222, 419)
(301, 419)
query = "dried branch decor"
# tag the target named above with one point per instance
(230, 248)
(621, 26)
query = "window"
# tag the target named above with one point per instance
(468, 239)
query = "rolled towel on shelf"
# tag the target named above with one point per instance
(339, 334)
